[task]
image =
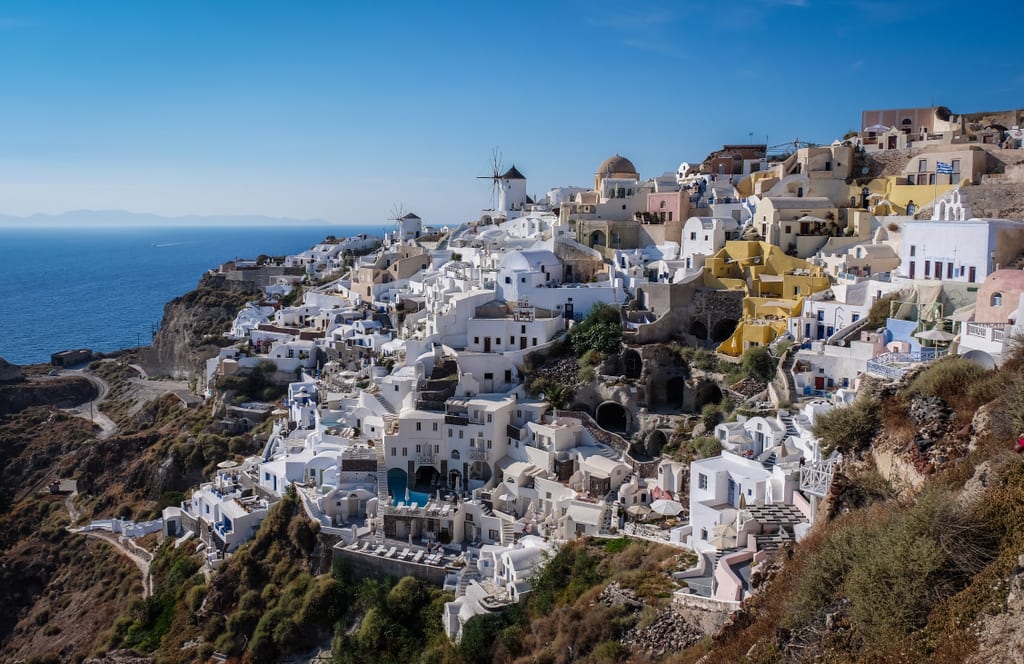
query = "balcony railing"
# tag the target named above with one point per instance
(425, 458)
(479, 454)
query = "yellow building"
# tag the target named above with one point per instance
(775, 285)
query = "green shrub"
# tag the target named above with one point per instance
(849, 428)
(947, 377)
(758, 363)
(600, 331)
(703, 447)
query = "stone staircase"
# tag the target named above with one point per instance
(385, 403)
(787, 421)
(382, 490)
(468, 575)
(508, 533)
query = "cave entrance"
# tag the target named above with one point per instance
(612, 416)
(632, 364)
(707, 392)
(723, 329)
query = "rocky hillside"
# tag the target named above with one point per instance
(193, 324)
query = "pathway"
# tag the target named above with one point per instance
(91, 409)
(113, 540)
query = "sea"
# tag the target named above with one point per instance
(104, 288)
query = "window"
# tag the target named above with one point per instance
(931, 178)
(704, 534)
(450, 432)
(913, 250)
(508, 280)
(996, 300)
(522, 329)
(910, 179)
(702, 481)
(435, 426)
(693, 236)
(460, 433)
(821, 314)
(418, 450)
(394, 451)
(490, 417)
(789, 229)
(927, 268)
(405, 451)
(511, 341)
(922, 165)
(476, 340)
(488, 376)
(419, 426)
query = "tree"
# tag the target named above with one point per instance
(758, 363)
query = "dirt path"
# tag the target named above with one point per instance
(127, 552)
(91, 409)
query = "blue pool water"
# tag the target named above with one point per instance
(396, 487)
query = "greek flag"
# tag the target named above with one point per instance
(943, 168)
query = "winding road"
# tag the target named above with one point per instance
(91, 409)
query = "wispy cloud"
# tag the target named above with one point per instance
(856, 65)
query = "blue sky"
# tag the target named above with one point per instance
(339, 110)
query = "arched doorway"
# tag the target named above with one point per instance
(427, 478)
(612, 416)
(598, 238)
(656, 440)
(699, 330)
(479, 474)
(675, 391)
(455, 480)
(707, 392)
(723, 329)
(632, 364)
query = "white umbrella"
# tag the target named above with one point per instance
(723, 536)
(935, 335)
(666, 507)
(876, 128)
(229, 463)
(638, 510)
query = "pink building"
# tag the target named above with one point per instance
(667, 206)
(999, 296)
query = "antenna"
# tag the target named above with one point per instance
(495, 176)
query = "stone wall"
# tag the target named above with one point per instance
(363, 565)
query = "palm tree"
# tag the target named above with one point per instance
(558, 396)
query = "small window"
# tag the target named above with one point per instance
(996, 300)
(476, 340)
(702, 481)
(922, 165)
(435, 426)
(490, 417)
(419, 426)
(913, 250)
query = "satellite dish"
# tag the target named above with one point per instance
(865, 170)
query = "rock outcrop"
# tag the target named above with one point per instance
(10, 373)
(193, 323)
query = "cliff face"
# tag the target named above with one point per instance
(191, 325)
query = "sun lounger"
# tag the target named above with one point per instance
(404, 554)
(379, 551)
(365, 545)
(418, 557)
(391, 552)
(413, 507)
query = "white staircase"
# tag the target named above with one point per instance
(382, 492)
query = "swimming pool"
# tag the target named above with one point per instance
(396, 487)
